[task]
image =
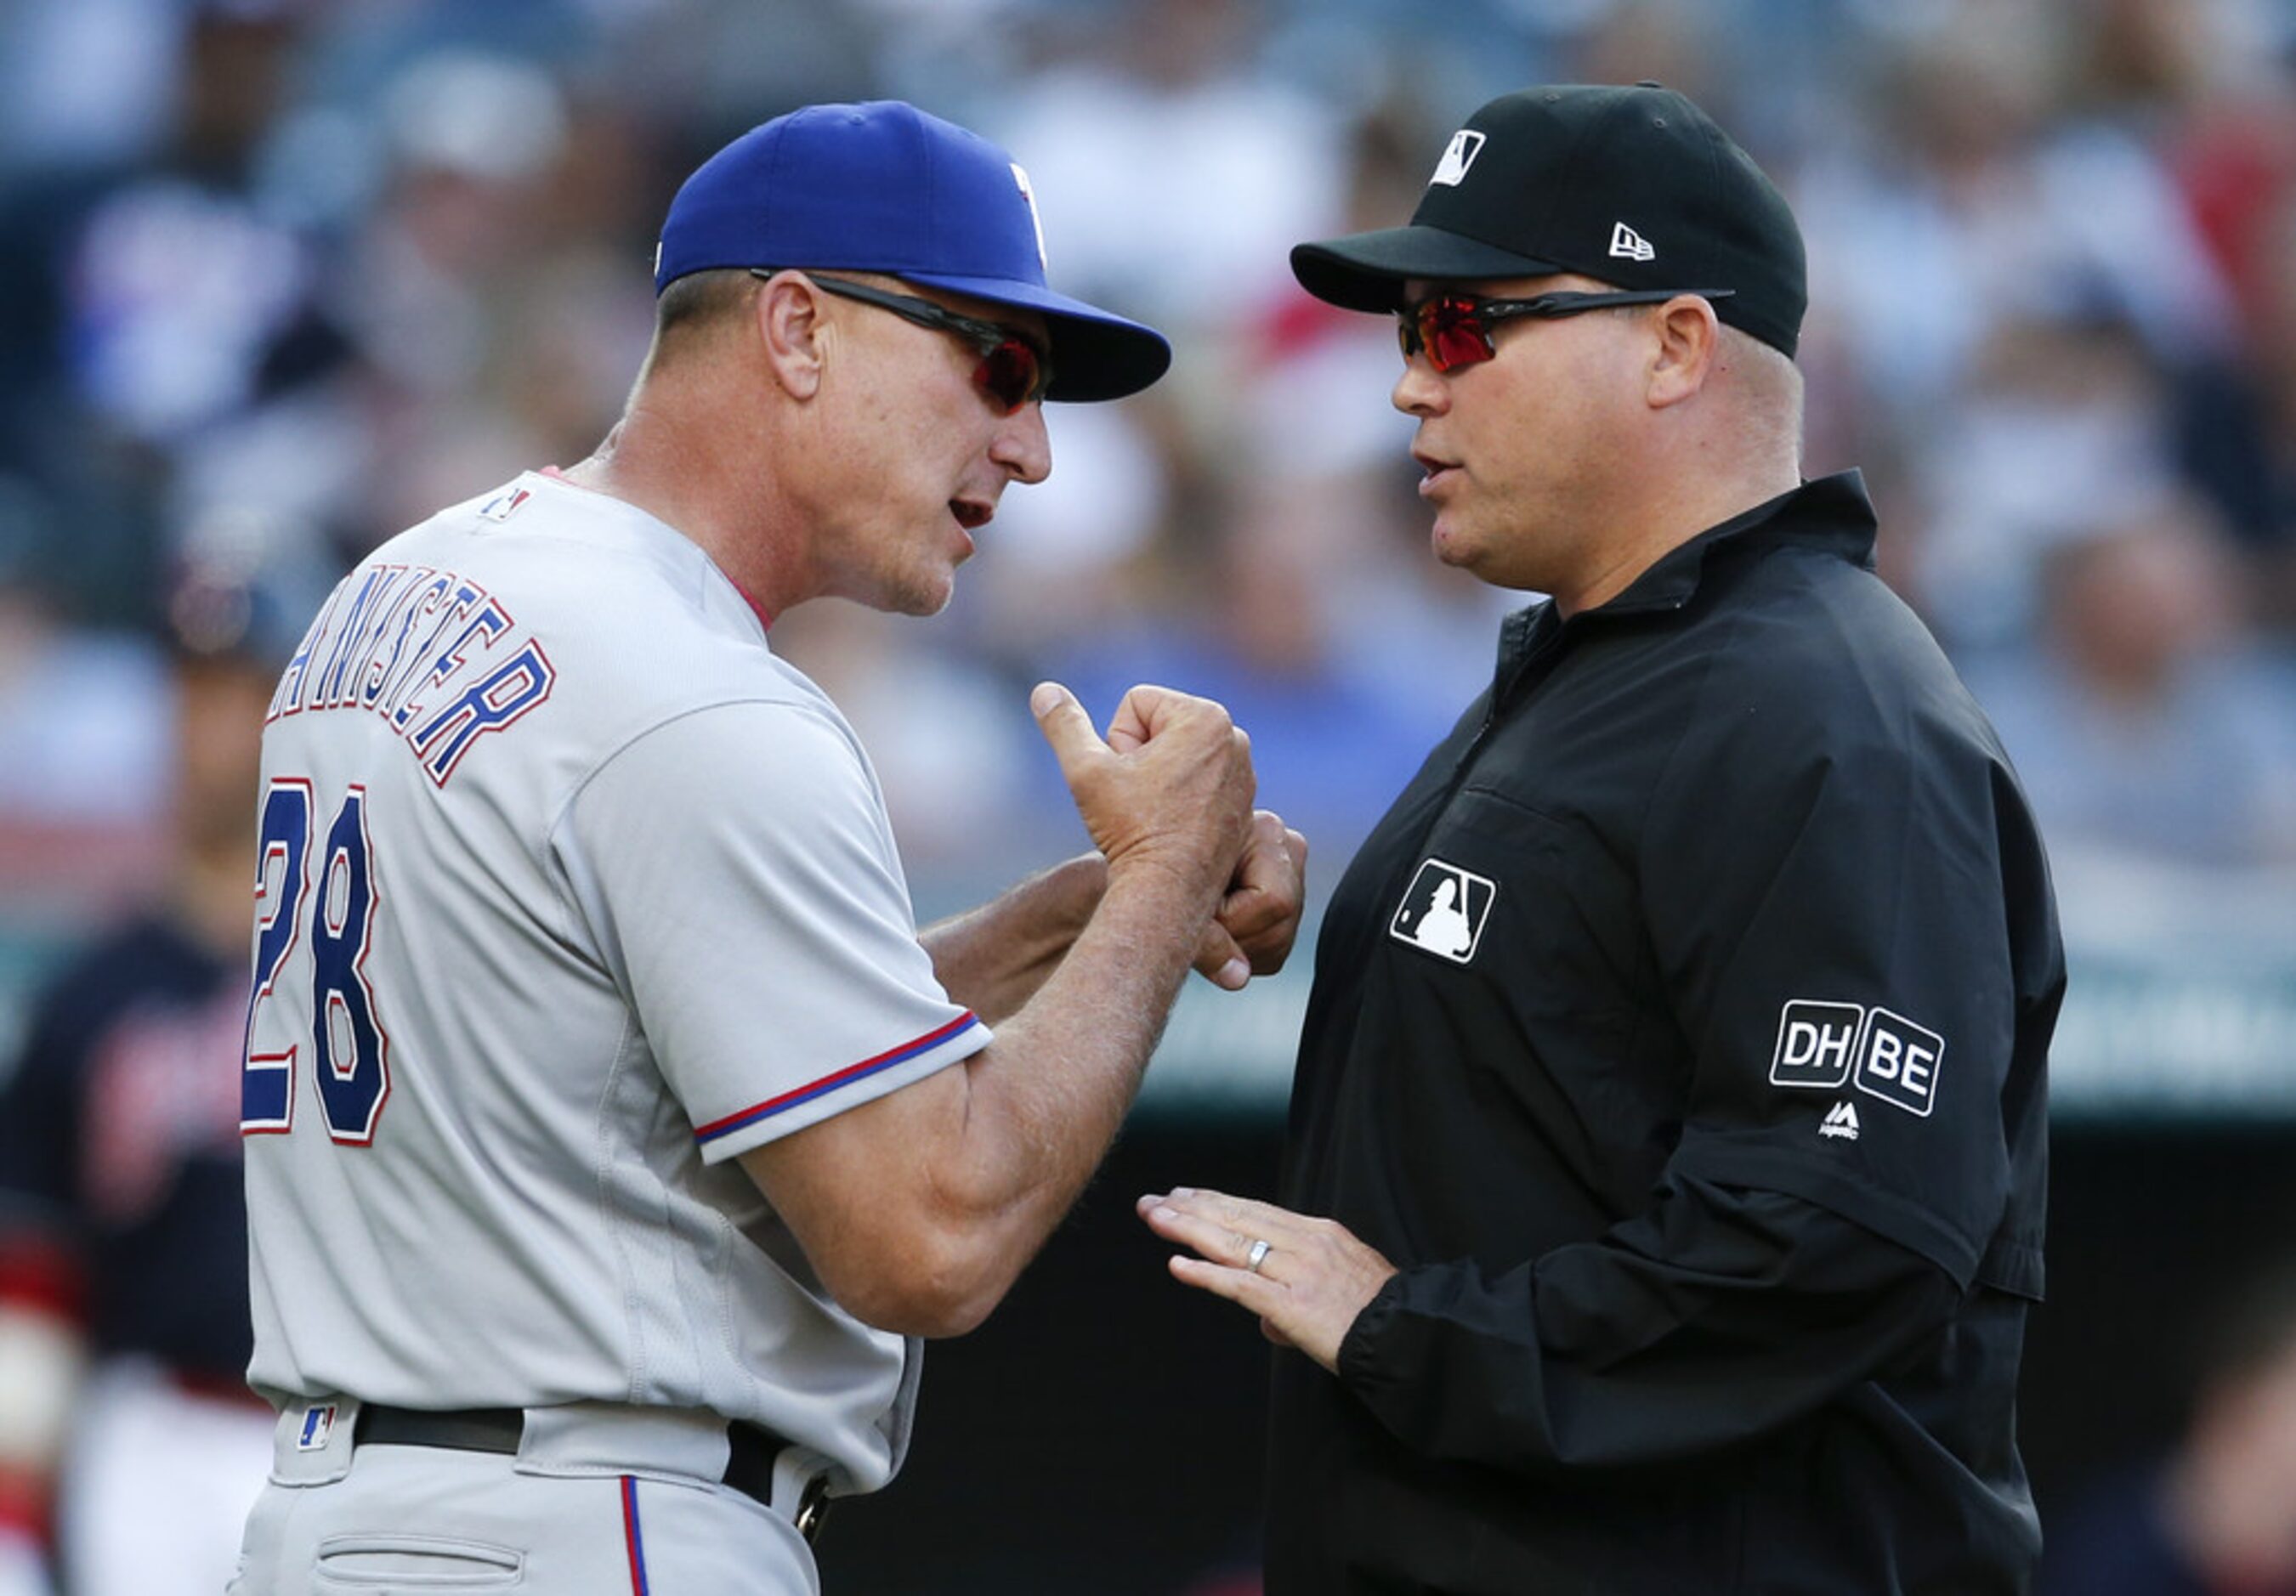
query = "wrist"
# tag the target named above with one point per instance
(1187, 884)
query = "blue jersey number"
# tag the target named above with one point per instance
(349, 1049)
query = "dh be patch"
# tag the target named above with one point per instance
(1885, 1055)
(1444, 911)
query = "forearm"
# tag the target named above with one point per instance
(1039, 1107)
(1719, 1317)
(995, 958)
(918, 1208)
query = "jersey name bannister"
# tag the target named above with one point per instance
(435, 655)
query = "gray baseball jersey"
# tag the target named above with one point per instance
(572, 891)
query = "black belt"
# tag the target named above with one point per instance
(749, 1467)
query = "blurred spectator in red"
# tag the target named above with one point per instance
(124, 1330)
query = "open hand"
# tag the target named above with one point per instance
(1311, 1281)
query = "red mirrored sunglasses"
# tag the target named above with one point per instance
(1013, 371)
(1455, 329)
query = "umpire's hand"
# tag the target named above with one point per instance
(1259, 917)
(1307, 1278)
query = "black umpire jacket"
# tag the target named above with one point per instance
(1680, 1034)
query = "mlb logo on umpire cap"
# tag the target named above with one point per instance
(1557, 169)
(1465, 146)
(1444, 911)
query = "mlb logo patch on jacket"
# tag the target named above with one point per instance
(1444, 910)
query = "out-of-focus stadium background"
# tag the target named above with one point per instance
(278, 277)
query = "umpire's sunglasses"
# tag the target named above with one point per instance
(1014, 370)
(1455, 329)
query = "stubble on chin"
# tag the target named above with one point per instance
(921, 593)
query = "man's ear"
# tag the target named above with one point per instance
(1688, 339)
(787, 315)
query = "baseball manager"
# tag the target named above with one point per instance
(612, 1134)
(1663, 1196)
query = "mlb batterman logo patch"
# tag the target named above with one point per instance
(1465, 146)
(1444, 911)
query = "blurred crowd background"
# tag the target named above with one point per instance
(280, 277)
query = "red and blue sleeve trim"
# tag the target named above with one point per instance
(831, 1083)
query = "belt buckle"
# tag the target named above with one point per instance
(812, 1508)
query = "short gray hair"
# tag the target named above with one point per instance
(1771, 387)
(698, 300)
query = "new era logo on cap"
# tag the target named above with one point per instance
(1465, 146)
(1627, 244)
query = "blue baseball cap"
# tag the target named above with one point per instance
(885, 187)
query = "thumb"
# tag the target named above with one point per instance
(1065, 726)
(1220, 961)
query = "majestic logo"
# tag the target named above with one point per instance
(1028, 198)
(1884, 1055)
(1444, 911)
(1841, 1120)
(318, 1424)
(1465, 146)
(1628, 244)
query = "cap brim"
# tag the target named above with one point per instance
(1095, 355)
(1366, 271)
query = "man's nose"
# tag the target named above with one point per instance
(1023, 445)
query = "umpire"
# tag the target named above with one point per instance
(1663, 1196)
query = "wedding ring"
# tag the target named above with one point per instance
(1258, 1255)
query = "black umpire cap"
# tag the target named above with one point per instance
(1633, 186)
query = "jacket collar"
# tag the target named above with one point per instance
(1832, 513)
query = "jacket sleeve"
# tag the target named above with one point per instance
(1721, 1315)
